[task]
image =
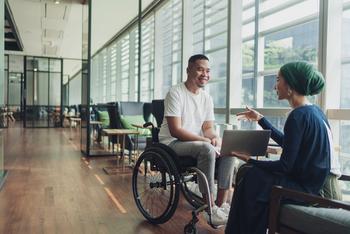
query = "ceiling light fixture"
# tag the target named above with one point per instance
(57, 2)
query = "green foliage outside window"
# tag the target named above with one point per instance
(276, 56)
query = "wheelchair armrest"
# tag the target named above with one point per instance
(344, 177)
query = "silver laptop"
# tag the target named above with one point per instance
(251, 142)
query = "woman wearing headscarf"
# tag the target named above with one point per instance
(305, 160)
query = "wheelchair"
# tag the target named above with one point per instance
(158, 177)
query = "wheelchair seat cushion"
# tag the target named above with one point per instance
(187, 161)
(181, 162)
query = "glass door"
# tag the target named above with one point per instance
(43, 92)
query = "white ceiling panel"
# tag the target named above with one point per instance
(53, 24)
(53, 34)
(50, 50)
(55, 11)
(46, 28)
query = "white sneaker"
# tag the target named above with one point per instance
(194, 188)
(225, 207)
(218, 217)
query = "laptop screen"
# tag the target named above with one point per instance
(250, 142)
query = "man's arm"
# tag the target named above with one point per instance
(174, 124)
(209, 132)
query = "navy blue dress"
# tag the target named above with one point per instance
(303, 166)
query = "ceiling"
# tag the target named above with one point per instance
(12, 41)
(49, 28)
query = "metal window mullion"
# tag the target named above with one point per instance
(285, 5)
(217, 21)
(289, 24)
(245, 39)
(281, 112)
(272, 11)
(204, 22)
(346, 6)
(216, 49)
(215, 35)
(187, 35)
(338, 114)
(256, 38)
(330, 51)
(250, 5)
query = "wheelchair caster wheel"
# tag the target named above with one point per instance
(190, 229)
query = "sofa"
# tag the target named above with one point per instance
(124, 114)
(312, 215)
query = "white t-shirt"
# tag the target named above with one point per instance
(193, 109)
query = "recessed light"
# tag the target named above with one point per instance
(57, 2)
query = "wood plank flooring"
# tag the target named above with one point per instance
(52, 188)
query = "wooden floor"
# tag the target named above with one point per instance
(52, 188)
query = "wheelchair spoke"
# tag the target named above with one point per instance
(155, 187)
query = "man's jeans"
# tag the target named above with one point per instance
(205, 154)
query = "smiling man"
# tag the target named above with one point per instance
(188, 128)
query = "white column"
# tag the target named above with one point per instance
(132, 74)
(187, 39)
(158, 58)
(330, 51)
(2, 76)
(234, 57)
(260, 77)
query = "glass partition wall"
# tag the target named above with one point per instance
(42, 96)
(85, 80)
(2, 94)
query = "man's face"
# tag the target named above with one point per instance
(199, 72)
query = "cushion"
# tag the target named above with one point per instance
(315, 219)
(104, 118)
(128, 120)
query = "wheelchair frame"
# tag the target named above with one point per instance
(158, 169)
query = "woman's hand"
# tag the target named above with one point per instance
(242, 156)
(249, 114)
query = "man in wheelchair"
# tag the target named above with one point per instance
(188, 129)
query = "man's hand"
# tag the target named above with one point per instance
(206, 140)
(216, 141)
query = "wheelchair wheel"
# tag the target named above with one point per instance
(155, 184)
(192, 198)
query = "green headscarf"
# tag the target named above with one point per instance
(303, 78)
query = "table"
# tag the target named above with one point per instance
(5, 116)
(93, 123)
(122, 133)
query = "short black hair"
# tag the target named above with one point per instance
(196, 57)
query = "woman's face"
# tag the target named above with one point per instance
(281, 87)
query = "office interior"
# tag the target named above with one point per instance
(66, 58)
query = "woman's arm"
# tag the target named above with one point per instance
(291, 147)
(276, 135)
(253, 115)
